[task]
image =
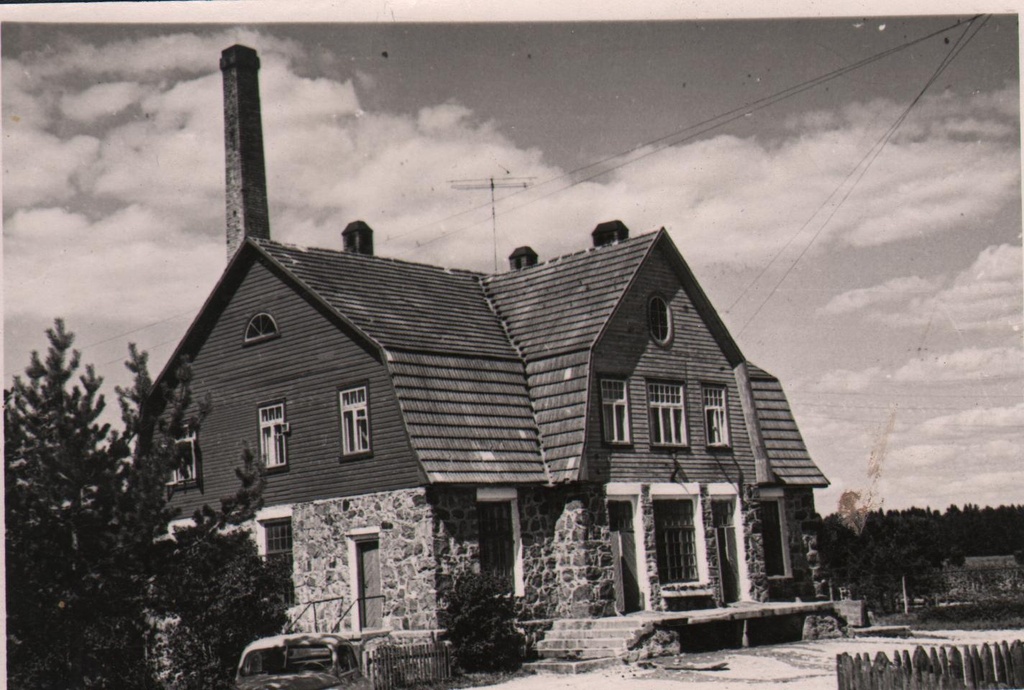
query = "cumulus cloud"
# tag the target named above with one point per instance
(892, 291)
(985, 296)
(100, 100)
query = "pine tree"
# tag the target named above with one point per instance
(75, 612)
(92, 580)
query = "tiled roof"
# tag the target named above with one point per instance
(398, 303)
(561, 305)
(469, 419)
(787, 454)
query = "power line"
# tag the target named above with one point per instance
(674, 138)
(863, 167)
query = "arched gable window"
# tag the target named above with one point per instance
(261, 327)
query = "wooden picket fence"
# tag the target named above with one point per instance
(406, 665)
(999, 665)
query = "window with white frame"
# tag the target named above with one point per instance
(660, 320)
(273, 429)
(615, 411)
(355, 421)
(668, 413)
(277, 536)
(186, 454)
(716, 419)
(260, 327)
(675, 536)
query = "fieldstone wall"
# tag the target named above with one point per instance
(566, 548)
(806, 581)
(583, 556)
(321, 532)
(753, 541)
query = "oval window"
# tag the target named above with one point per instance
(660, 320)
(261, 327)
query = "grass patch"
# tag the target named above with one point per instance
(991, 614)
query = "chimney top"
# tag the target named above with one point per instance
(522, 257)
(246, 179)
(239, 57)
(357, 238)
(610, 232)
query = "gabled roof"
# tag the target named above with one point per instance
(562, 305)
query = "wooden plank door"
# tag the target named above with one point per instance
(371, 603)
(627, 585)
(722, 512)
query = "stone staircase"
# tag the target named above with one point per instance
(592, 638)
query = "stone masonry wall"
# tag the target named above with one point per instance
(797, 508)
(566, 548)
(753, 542)
(321, 553)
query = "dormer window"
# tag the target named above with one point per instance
(261, 327)
(660, 320)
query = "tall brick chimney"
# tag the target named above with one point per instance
(247, 214)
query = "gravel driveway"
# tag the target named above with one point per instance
(795, 666)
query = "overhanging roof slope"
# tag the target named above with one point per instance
(787, 453)
(398, 303)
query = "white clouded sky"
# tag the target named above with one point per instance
(866, 290)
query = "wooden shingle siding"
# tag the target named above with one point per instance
(398, 303)
(303, 368)
(784, 445)
(468, 417)
(693, 357)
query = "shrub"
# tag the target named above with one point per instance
(479, 616)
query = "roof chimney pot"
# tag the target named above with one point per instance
(247, 214)
(357, 238)
(609, 233)
(522, 257)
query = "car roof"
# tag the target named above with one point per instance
(298, 639)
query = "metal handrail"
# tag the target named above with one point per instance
(316, 624)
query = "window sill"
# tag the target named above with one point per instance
(276, 469)
(261, 339)
(670, 446)
(617, 444)
(777, 578)
(365, 455)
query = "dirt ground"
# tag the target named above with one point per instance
(794, 666)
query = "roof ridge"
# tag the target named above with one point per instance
(369, 257)
(487, 277)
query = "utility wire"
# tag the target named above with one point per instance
(676, 137)
(861, 168)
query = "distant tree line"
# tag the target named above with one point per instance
(98, 594)
(880, 555)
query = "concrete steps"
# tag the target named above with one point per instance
(590, 638)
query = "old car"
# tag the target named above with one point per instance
(302, 661)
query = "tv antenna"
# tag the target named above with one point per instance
(492, 184)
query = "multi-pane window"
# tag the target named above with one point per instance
(260, 327)
(273, 428)
(668, 414)
(355, 421)
(615, 411)
(497, 539)
(660, 320)
(716, 420)
(278, 536)
(675, 537)
(187, 466)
